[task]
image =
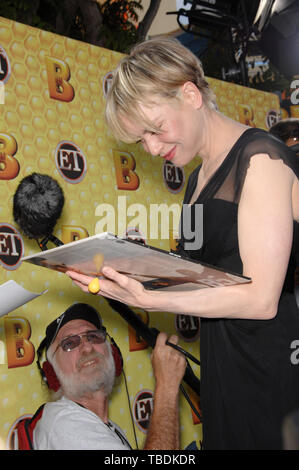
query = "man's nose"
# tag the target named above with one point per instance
(85, 344)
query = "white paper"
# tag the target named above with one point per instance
(12, 296)
(155, 268)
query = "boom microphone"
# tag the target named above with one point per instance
(37, 204)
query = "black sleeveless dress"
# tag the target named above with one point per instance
(248, 379)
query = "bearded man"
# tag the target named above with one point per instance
(82, 360)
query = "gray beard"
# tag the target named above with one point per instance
(84, 382)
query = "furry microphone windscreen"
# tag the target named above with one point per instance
(37, 204)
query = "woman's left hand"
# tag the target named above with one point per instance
(115, 286)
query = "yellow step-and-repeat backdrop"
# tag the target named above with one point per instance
(52, 99)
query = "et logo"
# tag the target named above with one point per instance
(11, 247)
(142, 409)
(272, 118)
(5, 69)
(187, 327)
(70, 162)
(174, 177)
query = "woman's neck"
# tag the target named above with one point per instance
(218, 135)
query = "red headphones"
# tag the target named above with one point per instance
(50, 378)
(117, 356)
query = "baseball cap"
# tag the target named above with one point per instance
(77, 311)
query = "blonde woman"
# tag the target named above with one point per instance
(248, 185)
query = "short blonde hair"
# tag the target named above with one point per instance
(154, 68)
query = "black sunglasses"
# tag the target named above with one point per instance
(72, 342)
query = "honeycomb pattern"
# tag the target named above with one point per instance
(233, 99)
(38, 123)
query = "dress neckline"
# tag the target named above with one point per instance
(224, 165)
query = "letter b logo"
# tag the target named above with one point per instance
(126, 177)
(9, 166)
(20, 351)
(58, 76)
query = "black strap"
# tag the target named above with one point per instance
(118, 433)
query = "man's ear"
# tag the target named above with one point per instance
(192, 95)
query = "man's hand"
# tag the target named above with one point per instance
(169, 367)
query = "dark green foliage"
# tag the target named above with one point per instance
(120, 22)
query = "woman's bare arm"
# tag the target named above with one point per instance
(265, 228)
